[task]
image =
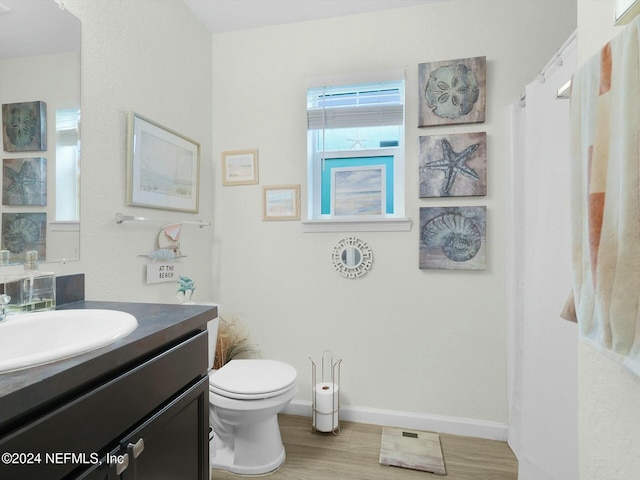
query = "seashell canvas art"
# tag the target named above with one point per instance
(453, 165)
(22, 232)
(453, 238)
(452, 91)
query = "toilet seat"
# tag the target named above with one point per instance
(251, 379)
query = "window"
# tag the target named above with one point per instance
(67, 165)
(356, 152)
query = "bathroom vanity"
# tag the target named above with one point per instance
(134, 410)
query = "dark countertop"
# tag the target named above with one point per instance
(24, 394)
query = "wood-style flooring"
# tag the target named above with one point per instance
(353, 455)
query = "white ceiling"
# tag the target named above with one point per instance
(36, 27)
(228, 15)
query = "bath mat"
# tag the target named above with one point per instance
(412, 449)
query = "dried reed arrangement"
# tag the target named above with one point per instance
(232, 342)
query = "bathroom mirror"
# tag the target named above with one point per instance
(352, 257)
(40, 64)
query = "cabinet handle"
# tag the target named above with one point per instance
(136, 448)
(121, 466)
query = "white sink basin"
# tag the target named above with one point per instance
(31, 339)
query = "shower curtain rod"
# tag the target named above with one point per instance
(563, 92)
(556, 59)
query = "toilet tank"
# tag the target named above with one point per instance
(212, 328)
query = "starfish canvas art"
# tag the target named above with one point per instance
(453, 165)
(24, 181)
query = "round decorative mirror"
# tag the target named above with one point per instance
(352, 257)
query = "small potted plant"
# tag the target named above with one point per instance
(232, 342)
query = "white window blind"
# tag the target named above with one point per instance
(67, 127)
(362, 105)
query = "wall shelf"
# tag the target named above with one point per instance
(120, 218)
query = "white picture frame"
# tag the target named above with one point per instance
(358, 191)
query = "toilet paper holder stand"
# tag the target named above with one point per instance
(330, 374)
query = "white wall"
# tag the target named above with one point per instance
(154, 58)
(424, 341)
(609, 418)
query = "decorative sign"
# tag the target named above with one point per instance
(162, 272)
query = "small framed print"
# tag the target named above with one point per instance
(240, 167)
(281, 202)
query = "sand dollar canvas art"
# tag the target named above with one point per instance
(24, 127)
(452, 91)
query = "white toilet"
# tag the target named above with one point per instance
(245, 397)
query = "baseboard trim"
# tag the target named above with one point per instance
(418, 421)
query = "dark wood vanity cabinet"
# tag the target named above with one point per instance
(146, 423)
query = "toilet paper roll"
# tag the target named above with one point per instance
(326, 422)
(326, 394)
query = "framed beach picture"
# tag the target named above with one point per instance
(358, 191)
(240, 167)
(281, 202)
(163, 167)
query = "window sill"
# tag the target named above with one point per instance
(65, 226)
(351, 225)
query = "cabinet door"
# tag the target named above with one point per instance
(108, 469)
(98, 418)
(173, 443)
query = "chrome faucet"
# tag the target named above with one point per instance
(4, 301)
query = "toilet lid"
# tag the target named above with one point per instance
(252, 377)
